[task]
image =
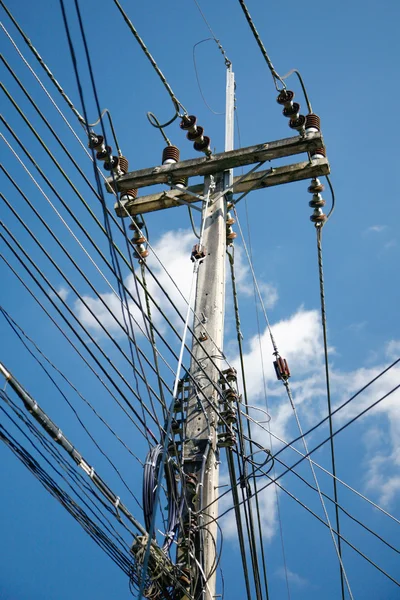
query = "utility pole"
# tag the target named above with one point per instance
(201, 455)
(200, 397)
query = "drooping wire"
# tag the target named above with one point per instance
(198, 78)
(220, 47)
(256, 35)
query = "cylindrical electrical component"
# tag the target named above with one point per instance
(292, 111)
(96, 142)
(128, 195)
(104, 154)
(118, 164)
(316, 186)
(285, 98)
(188, 123)
(229, 219)
(298, 123)
(313, 123)
(170, 155)
(203, 146)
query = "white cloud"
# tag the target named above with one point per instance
(293, 577)
(173, 249)
(300, 341)
(376, 229)
(392, 349)
(62, 292)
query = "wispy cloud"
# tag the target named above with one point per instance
(392, 349)
(62, 292)
(293, 578)
(375, 229)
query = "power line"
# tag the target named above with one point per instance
(328, 393)
(256, 35)
(175, 101)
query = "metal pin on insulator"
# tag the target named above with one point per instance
(128, 195)
(203, 146)
(141, 251)
(292, 111)
(230, 234)
(318, 216)
(285, 98)
(118, 164)
(298, 124)
(170, 155)
(198, 253)
(230, 395)
(281, 369)
(188, 123)
(96, 142)
(229, 219)
(316, 186)
(317, 201)
(230, 374)
(138, 238)
(226, 440)
(229, 415)
(104, 153)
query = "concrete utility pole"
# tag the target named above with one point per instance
(200, 396)
(201, 459)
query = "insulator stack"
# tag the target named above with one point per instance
(230, 234)
(281, 369)
(291, 110)
(139, 240)
(195, 134)
(226, 439)
(313, 125)
(317, 202)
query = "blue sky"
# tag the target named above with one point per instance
(347, 55)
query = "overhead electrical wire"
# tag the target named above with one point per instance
(328, 390)
(257, 37)
(74, 410)
(177, 104)
(21, 333)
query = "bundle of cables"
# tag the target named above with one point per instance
(150, 479)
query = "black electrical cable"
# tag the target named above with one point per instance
(58, 388)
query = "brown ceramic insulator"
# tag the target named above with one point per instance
(314, 121)
(319, 218)
(203, 146)
(317, 202)
(95, 141)
(188, 122)
(131, 193)
(297, 124)
(105, 154)
(230, 221)
(138, 238)
(291, 111)
(197, 135)
(285, 97)
(142, 252)
(170, 153)
(320, 151)
(123, 164)
(316, 187)
(181, 181)
(231, 235)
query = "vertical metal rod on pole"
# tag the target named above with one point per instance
(201, 455)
